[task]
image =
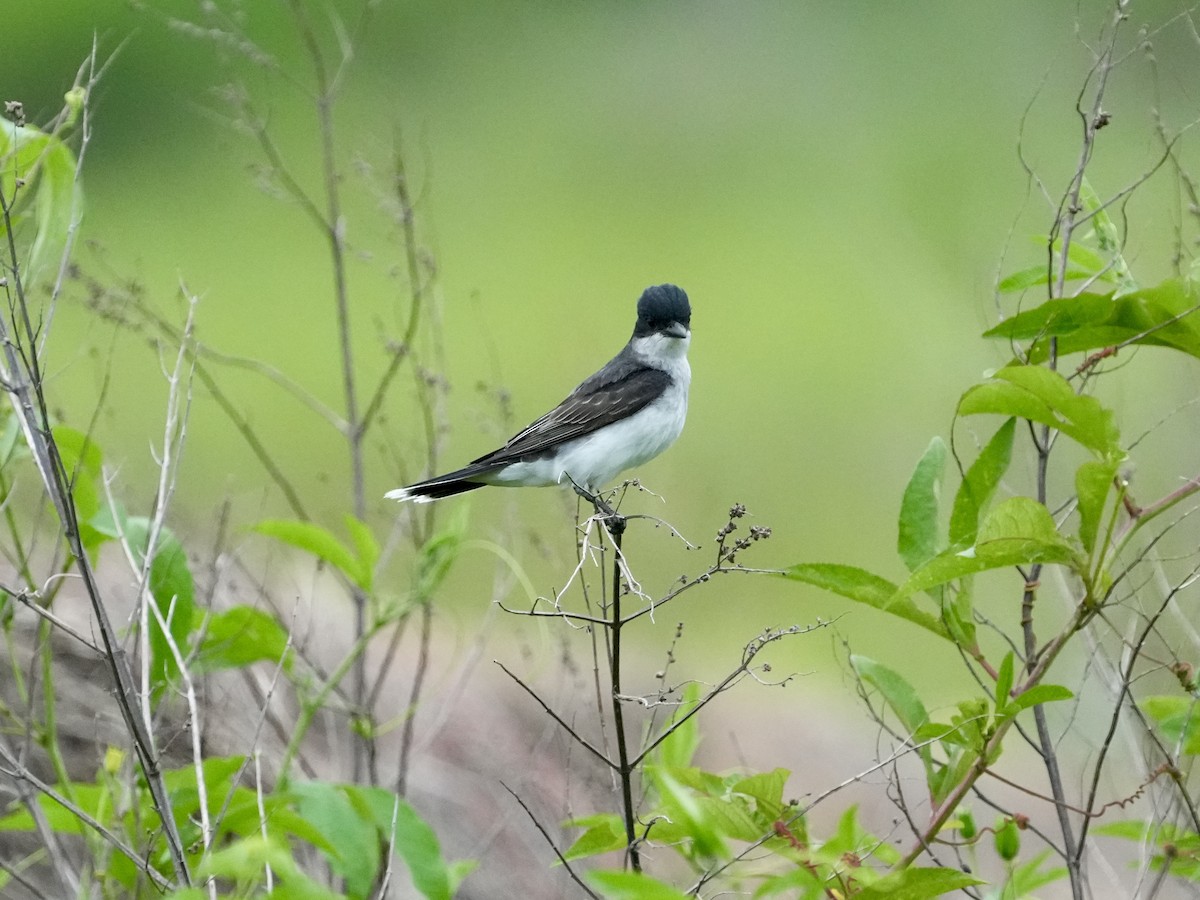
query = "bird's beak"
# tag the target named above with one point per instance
(678, 330)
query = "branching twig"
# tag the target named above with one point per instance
(538, 825)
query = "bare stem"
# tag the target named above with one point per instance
(624, 769)
(333, 226)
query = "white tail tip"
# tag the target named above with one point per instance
(401, 495)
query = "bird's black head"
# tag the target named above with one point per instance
(663, 308)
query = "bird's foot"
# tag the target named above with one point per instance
(613, 521)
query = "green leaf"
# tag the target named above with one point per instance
(863, 587)
(218, 772)
(415, 842)
(901, 696)
(1093, 481)
(171, 586)
(980, 483)
(766, 788)
(11, 444)
(1021, 528)
(353, 835)
(242, 818)
(1039, 694)
(245, 861)
(918, 527)
(1016, 532)
(1178, 718)
(438, 554)
(83, 464)
(1107, 236)
(366, 549)
(240, 636)
(1055, 318)
(733, 817)
(917, 884)
(50, 191)
(1161, 316)
(1004, 680)
(849, 836)
(632, 886)
(1028, 876)
(958, 612)
(677, 750)
(1035, 275)
(1156, 832)
(82, 461)
(903, 700)
(1041, 395)
(174, 593)
(684, 810)
(800, 882)
(1085, 257)
(935, 731)
(320, 542)
(91, 798)
(603, 833)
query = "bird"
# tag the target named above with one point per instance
(624, 415)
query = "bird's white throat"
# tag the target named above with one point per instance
(662, 351)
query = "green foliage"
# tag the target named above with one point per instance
(705, 817)
(352, 840)
(38, 181)
(1093, 486)
(171, 588)
(356, 564)
(438, 554)
(146, 830)
(632, 886)
(993, 535)
(867, 588)
(967, 738)
(1104, 264)
(695, 812)
(1019, 531)
(901, 697)
(1154, 317)
(979, 485)
(1027, 877)
(917, 884)
(351, 826)
(239, 636)
(679, 747)
(360, 823)
(1177, 718)
(918, 539)
(1044, 396)
(1174, 849)
(603, 833)
(245, 863)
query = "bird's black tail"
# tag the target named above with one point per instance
(443, 486)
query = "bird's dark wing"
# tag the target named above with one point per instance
(618, 390)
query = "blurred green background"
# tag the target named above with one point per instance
(837, 186)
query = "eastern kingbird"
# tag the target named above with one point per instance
(627, 413)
